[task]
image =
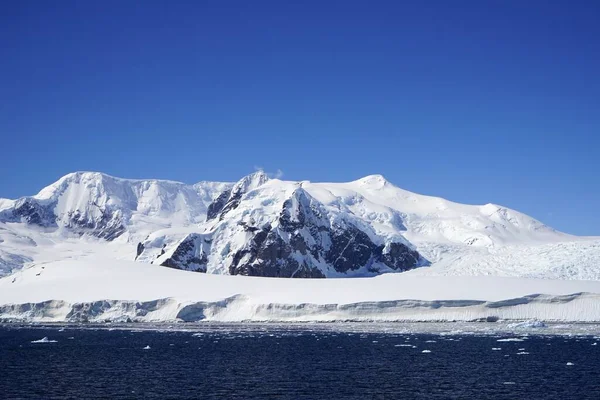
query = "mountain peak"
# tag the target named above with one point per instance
(63, 182)
(250, 182)
(377, 181)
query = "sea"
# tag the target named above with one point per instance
(298, 361)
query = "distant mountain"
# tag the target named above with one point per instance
(269, 227)
(106, 207)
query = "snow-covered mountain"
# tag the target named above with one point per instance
(106, 207)
(269, 227)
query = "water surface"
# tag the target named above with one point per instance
(294, 362)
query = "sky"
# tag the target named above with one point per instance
(473, 101)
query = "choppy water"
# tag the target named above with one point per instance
(295, 362)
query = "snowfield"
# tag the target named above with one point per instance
(91, 247)
(101, 290)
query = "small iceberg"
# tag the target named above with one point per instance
(43, 340)
(510, 340)
(426, 351)
(522, 353)
(528, 324)
(570, 364)
(146, 348)
(496, 348)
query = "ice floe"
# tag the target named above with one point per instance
(43, 340)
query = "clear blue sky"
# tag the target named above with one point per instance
(475, 101)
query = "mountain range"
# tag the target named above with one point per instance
(267, 227)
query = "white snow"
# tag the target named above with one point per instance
(190, 296)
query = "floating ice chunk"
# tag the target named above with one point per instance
(496, 348)
(426, 351)
(570, 363)
(43, 340)
(403, 345)
(528, 324)
(510, 340)
(595, 344)
(522, 349)
(430, 341)
(147, 347)
(522, 353)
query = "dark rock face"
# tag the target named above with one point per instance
(303, 241)
(232, 203)
(190, 255)
(217, 205)
(350, 249)
(399, 257)
(139, 250)
(109, 226)
(269, 255)
(30, 211)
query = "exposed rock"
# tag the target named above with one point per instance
(302, 241)
(32, 212)
(108, 226)
(189, 254)
(399, 257)
(217, 205)
(140, 250)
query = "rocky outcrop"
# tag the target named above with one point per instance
(215, 208)
(32, 212)
(304, 243)
(104, 223)
(189, 254)
(108, 225)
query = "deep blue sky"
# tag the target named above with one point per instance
(475, 101)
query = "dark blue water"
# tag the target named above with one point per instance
(295, 363)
